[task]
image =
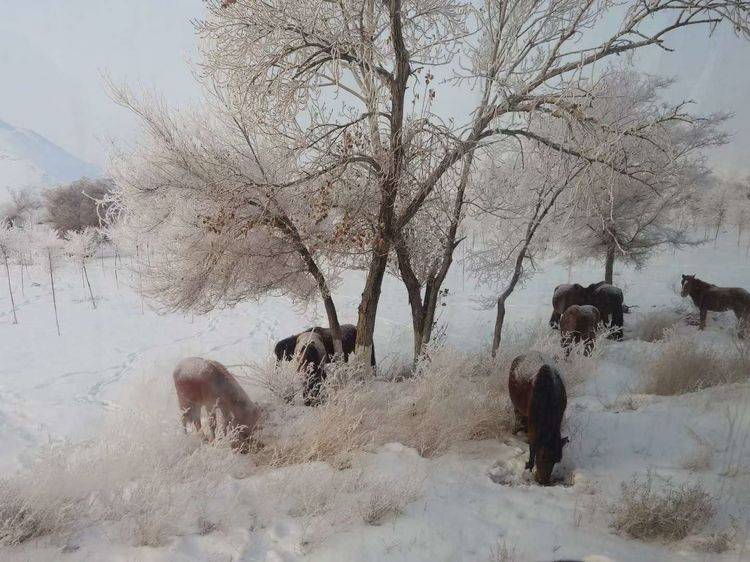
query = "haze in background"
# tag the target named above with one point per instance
(53, 55)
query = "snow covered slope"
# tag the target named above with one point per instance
(30, 161)
(167, 497)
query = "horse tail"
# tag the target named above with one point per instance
(554, 320)
(544, 403)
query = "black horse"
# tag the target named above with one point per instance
(284, 349)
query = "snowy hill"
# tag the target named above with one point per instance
(30, 161)
(98, 468)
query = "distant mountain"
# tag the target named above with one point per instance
(28, 161)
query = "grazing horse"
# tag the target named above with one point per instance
(539, 400)
(201, 382)
(609, 300)
(284, 349)
(578, 324)
(311, 356)
(566, 295)
(718, 299)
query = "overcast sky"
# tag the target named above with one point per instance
(53, 54)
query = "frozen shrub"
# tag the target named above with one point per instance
(451, 397)
(501, 552)
(670, 513)
(652, 326)
(685, 363)
(388, 497)
(73, 207)
(142, 476)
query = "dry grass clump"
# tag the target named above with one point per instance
(670, 513)
(142, 476)
(501, 552)
(685, 363)
(451, 397)
(387, 498)
(652, 326)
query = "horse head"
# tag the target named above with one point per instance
(546, 456)
(687, 281)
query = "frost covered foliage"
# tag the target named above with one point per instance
(450, 398)
(671, 513)
(686, 363)
(141, 475)
(142, 481)
(653, 326)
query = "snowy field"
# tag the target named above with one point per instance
(93, 451)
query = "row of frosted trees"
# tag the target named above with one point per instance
(39, 248)
(376, 136)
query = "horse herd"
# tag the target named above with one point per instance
(536, 388)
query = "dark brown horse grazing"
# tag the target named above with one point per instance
(566, 295)
(539, 400)
(284, 349)
(608, 300)
(311, 356)
(578, 324)
(205, 383)
(718, 299)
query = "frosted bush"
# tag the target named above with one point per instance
(141, 474)
(686, 363)
(670, 513)
(652, 326)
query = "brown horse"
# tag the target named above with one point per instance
(539, 399)
(566, 295)
(205, 383)
(607, 298)
(718, 299)
(312, 357)
(578, 324)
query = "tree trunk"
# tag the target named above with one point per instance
(52, 283)
(10, 289)
(368, 306)
(499, 321)
(609, 265)
(333, 325)
(88, 284)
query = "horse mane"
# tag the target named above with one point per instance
(545, 405)
(702, 285)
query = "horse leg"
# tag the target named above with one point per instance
(704, 313)
(532, 455)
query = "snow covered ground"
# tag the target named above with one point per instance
(105, 382)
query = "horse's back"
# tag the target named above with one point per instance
(523, 373)
(202, 381)
(579, 318)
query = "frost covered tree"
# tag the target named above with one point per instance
(49, 246)
(77, 205)
(339, 82)
(81, 247)
(629, 216)
(623, 147)
(215, 203)
(8, 241)
(22, 209)
(522, 203)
